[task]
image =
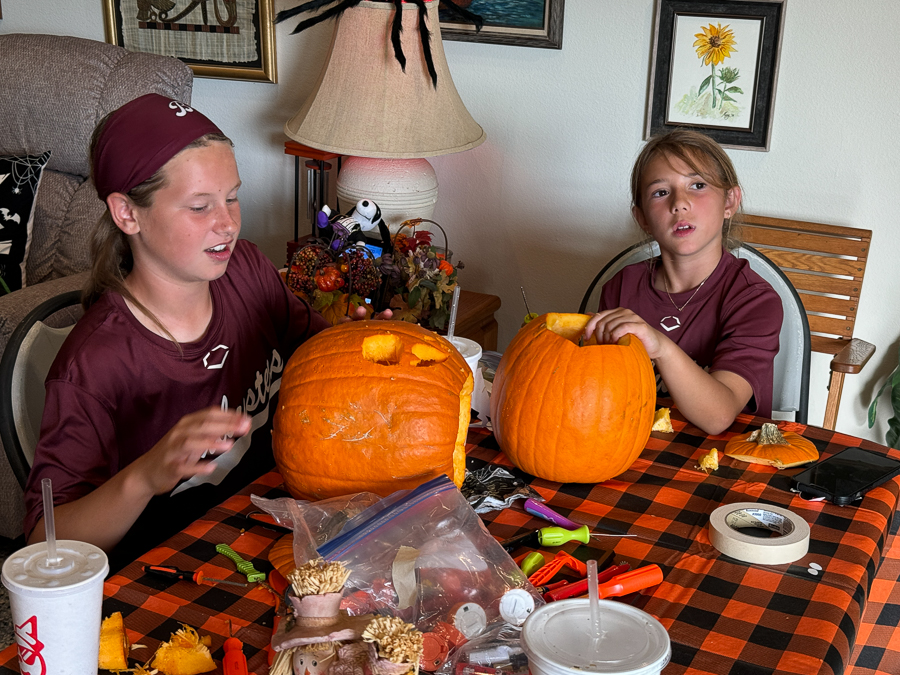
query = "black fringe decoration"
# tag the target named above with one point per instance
(425, 36)
(396, 29)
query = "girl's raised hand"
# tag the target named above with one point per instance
(611, 325)
(183, 451)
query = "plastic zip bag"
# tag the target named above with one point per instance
(425, 556)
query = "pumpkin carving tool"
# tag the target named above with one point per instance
(529, 315)
(244, 566)
(197, 577)
(234, 662)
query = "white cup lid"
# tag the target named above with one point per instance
(558, 639)
(78, 562)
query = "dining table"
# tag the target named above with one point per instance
(835, 610)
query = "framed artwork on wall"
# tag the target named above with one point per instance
(524, 23)
(226, 39)
(714, 67)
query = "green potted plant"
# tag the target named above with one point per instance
(893, 432)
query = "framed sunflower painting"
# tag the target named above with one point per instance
(714, 67)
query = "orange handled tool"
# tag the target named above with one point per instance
(548, 571)
(621, 584)
(234, 662)
(197, 577)
(581, 587)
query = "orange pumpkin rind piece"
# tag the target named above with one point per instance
(114, 645)
(773, 447)
(184, 654)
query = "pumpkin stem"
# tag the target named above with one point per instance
(768, 434)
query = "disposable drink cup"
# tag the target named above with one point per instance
(559, 639)
(470, 350)
(56, 609)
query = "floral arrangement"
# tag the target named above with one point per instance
(334, 281)
(419, 277)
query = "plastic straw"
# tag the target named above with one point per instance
(594, 595)
(454, 304)
(49, 523)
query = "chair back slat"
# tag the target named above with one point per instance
(800, 241)
(849, 288)
(826, 265)
(812, 262)
(826, 304)
(827, 325)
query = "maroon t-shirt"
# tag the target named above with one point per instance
(116, 388)
(732, 323)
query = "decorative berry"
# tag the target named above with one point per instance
(303, 268)
(363, 277)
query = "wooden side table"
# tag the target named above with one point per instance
(475, 318)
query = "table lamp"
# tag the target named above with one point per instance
(385, 118)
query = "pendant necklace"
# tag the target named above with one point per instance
(670, 323)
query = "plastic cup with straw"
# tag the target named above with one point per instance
(49, 522)
(470, 350)
(56, 594)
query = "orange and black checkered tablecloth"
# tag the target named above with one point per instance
(724, 617)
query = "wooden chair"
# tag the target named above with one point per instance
(826, 265)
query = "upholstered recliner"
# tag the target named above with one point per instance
(55, 90)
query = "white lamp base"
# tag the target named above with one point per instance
(402, 188)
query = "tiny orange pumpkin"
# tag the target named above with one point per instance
(772, 446)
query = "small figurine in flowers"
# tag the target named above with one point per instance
(419, 276)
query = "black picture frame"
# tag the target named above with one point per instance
(751, 127)
(549, 36)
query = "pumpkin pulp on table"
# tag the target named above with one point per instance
(374, 406)
(570, 413)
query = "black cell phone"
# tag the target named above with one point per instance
(846, 476)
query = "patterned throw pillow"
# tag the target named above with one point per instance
(19, 180)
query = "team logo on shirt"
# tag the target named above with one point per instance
(670, 323)
(215, 358)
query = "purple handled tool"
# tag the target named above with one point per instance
(535, 508)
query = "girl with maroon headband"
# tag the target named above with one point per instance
(708, 321)
(158, 404)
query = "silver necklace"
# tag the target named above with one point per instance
(670, 323)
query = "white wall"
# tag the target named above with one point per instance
(543, 203)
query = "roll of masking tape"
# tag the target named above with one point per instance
(790, 544)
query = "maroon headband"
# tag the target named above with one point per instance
(140, 137)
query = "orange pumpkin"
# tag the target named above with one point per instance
(281, 555)
(374, 406)
(570, 413)
(770, 445)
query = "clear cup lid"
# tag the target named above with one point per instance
(559, 639)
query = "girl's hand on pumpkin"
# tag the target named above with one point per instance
(612, 325)
(183, 451)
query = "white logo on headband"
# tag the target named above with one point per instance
(182, 109)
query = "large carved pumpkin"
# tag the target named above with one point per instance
(374, 406)
(570, 413)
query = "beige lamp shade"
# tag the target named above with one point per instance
(365, 105)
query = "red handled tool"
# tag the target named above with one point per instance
(622, 583)
(234, 662)
(197, 577)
